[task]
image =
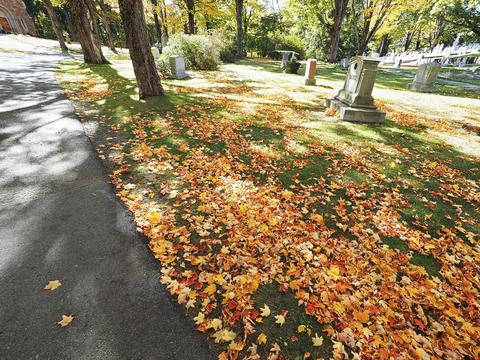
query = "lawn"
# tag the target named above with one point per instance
(286, 233)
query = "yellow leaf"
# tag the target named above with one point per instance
(279, 319)
(52, 285)
(210, 289)
(200, 318)
(262, 339)
(66, 320)
(272, 222)
(317, 341)
(317, 218)
(153, 217)
(236, 346)
(334, 272)
(215, 324)
(265, 311)
(301, 328)
(224, 335)
(339, 308)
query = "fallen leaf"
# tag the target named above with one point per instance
(279, 319)
(317, 341)
(262, 339)
(265, 311)
(66, 320)
(52, 285)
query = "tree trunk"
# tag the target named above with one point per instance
(163, 17)
(408, 40)
(106, 24)
(336, 28)
(84, 22)
(158, 28)
(239, 16)
(191, 16)
(384, 44)
(136, 34)
(57, 28)
(70, 25)
(438, 32)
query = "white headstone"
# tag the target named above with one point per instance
(425, 77)
(155, 52)
(177, 64)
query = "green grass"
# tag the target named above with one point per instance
(282, 335)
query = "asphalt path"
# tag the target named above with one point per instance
(60, 220)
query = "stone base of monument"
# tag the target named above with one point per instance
(419, 87)
(355, 114)
(311, 81)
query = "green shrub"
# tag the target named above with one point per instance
(201, 52)
(163, 67)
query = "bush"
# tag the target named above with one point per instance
(201, 52)
(163, 67)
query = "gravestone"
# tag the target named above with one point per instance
(355, 102)
(398, 63)
(155, 52)
(425, 77)
(285, 58)
(310, 72)
(177, 65)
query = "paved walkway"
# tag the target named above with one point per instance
(59, 219)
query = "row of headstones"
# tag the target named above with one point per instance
(177, 64)
(354, 102)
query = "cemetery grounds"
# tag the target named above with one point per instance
(286, 233)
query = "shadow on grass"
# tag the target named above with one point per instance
(124, 102)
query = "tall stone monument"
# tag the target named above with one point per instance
(310, 72)
(177, 65)
(355, 102)
(425, 77)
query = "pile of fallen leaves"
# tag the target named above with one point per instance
(207, 191)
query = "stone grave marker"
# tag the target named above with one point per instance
(355, 102)
(310, 72)
(177, 64)
(155, 52)
(425, 77)
(398, 63)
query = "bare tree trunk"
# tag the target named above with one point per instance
(158, 28)
(163, 17)
(57, 28)
(384, 44)
(133, 19)
(106, 24)
(408, 40)
(336, 28)
(239, 15)
(191, 16)
(438, 32)
(84, 22)
(70, 25)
